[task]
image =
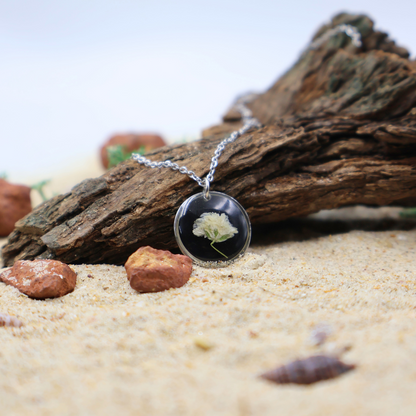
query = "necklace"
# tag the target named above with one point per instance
(212, 228)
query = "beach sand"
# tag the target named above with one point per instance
(198, 350)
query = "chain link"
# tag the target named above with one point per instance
(249, 122)
(349, 30)
(167, 164)
(247, 117)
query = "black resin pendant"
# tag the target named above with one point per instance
(213, 232)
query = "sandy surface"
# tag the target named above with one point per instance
(106, 350)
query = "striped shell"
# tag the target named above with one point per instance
(7, 320)
(309, 370)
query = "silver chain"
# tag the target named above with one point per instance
(349, 30)
(248, 120)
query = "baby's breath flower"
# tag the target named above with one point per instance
(215, 227)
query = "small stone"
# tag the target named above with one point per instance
(320, 334)
(40, 279)
(151, 270)
(131, 142)
(7, 320)
(203, 343)
(14, 205)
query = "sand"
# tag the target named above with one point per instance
(198, 350)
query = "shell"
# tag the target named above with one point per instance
(7, 320)
(308, 370)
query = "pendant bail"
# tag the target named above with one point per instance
(207, 196)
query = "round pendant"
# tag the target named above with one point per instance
(213, 232)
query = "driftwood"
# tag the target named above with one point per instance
(339, 128)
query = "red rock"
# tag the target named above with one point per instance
(131, 142)
(14, 204)
(40, 279)
(151, 270)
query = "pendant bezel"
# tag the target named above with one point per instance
(192, 205)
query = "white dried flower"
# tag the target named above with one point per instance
(215, 227)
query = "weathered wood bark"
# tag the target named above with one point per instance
(339, 129)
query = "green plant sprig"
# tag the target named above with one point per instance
(408, 213)
(118, 153)
(39, 188)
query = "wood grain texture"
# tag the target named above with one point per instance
(339, 128)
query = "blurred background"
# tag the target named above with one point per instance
(73, 73)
